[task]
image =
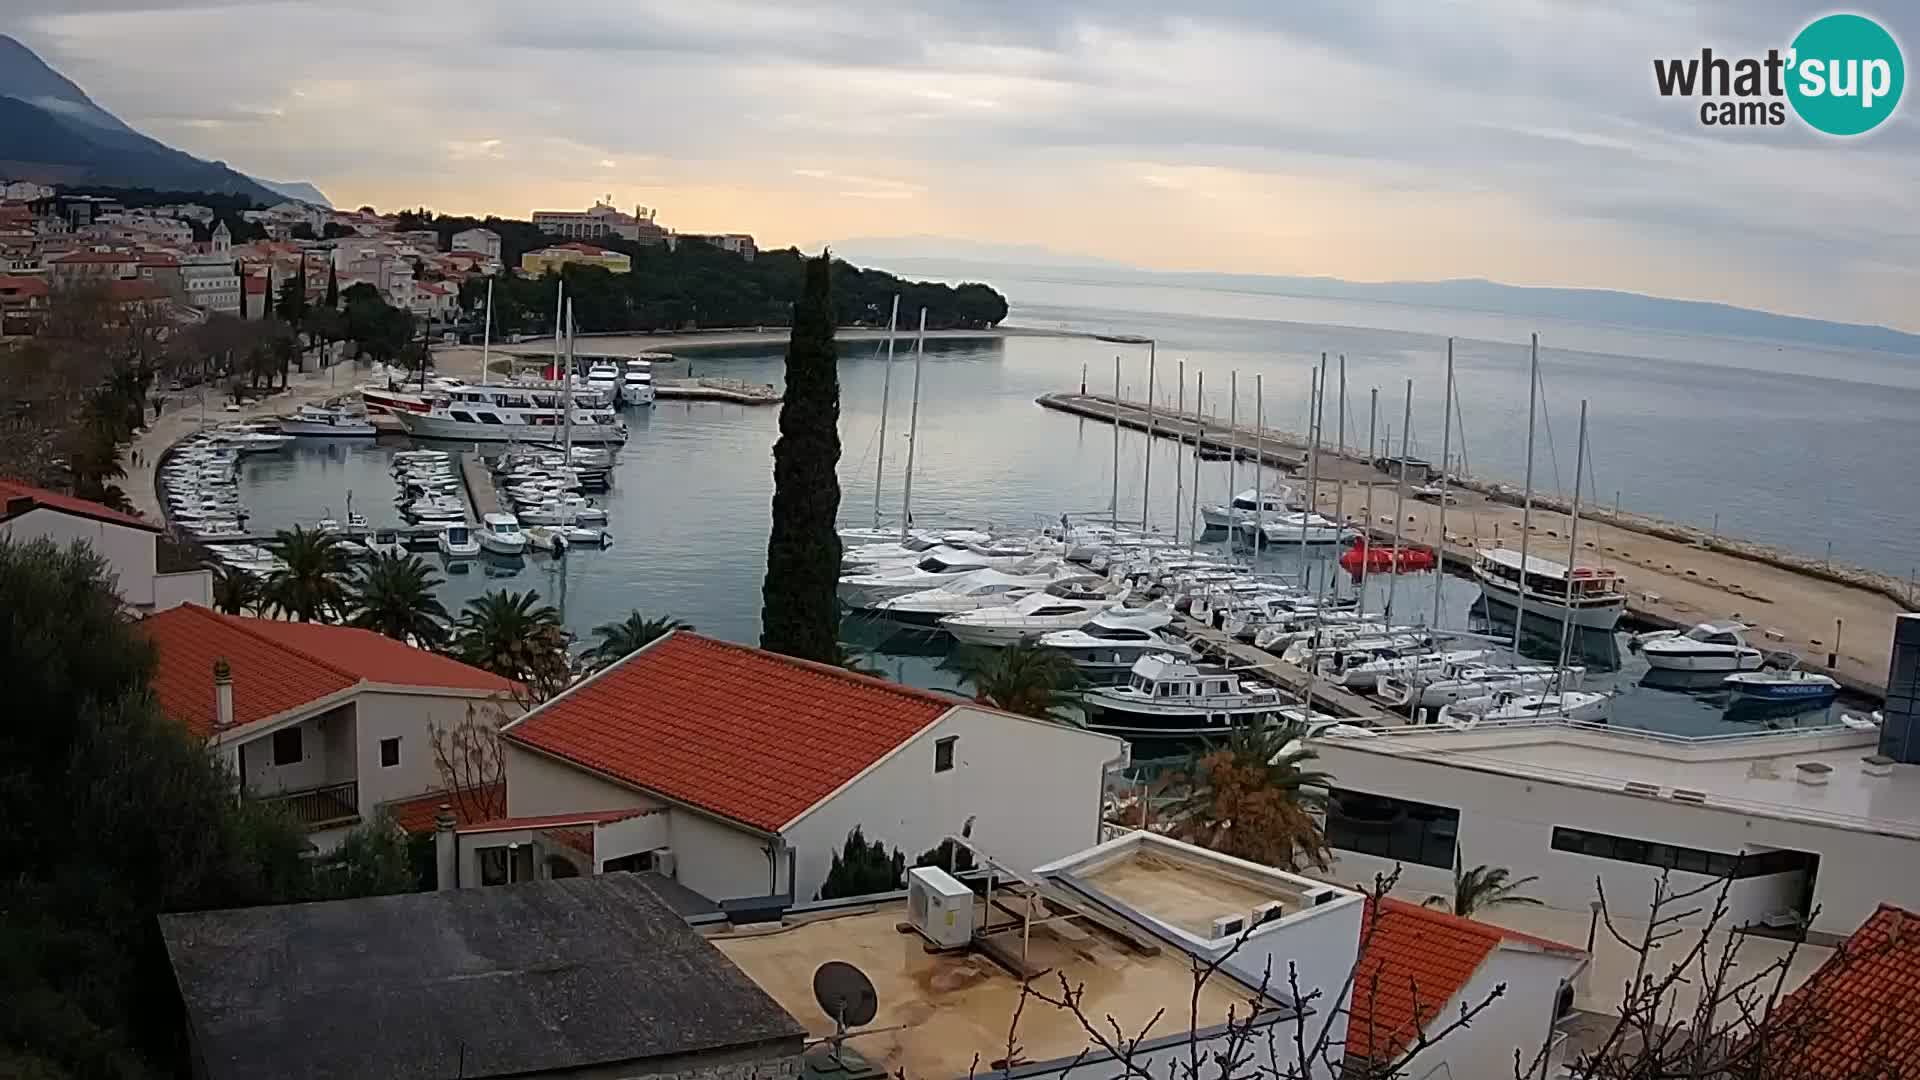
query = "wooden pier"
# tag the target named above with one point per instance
(1277, 449)
(482, 499)
(734, 391)
(1326, 697)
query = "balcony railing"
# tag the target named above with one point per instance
(320, 807)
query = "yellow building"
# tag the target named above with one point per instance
(545, 260)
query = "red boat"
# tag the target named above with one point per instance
(1381, 560)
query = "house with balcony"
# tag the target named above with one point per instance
(130, 545)
(333, 722)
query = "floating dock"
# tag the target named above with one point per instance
(706, 389)
(482, 499)
(1277, 449)
(1326, 697)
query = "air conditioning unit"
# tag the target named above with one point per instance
(1271, 911)
(939, 907)
(663, 861)
(1322, 894)
(1229, 926)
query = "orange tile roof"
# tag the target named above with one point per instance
(41, 498)
(747, 735)
(1854, 1016)
(547, 821)
(416, 815)
(279, 666)
(1416, 960)
(16, 285)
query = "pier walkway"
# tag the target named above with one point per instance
(1326, 696)
(482, 499)
(1278, 449)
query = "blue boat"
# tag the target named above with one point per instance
(1798, 687)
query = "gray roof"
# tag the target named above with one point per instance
(481, 982)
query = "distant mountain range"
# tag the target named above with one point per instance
(52, 133)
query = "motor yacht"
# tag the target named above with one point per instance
(1586, 596)
(1295, 528)
(1706, 647)
(1459, 683)
(458, 542)
(1535, 705)
(333, 420)
(636, 383)
(968, 592)
(1249, 505)
(1110, 643)
(1166, 697)
(1060, 607)
(935, 567)
(501, 534)
(1362, 672)
(515, 411)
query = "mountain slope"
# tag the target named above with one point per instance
(51, 132)
(296, 189)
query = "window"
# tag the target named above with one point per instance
(506, 864)
(1398, 829)
(287, 749)
(1674, 857)
(389, 752)
(943, 753)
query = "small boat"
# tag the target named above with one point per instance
(636, 383)
(1056, 608)
(1168, 697)
(1365, 672)
(335, 419)
(1465, 681)
(500, 534)
(1433, 493)
(1799, 687)
(1510, 705)
(1297, 528)
(1248, 506)
(457, 542)
(1706, 647)
(1379, 559)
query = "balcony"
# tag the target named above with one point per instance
(324, 807)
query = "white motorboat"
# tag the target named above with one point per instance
(500, 534)
(335, 420)
(435, 509)
(1367, 635)
(1249, 505)
(1294, 528)
(602, 375)
(533, 412)
(968, 592)
(1467, 681)
(936, 567)
(1807, 688)
(247, 441)
(458, 542)
(1587, 596)
(1056, 608)
(566, 510)
(1538, 705)
(1363, 673)
(1170, 698)
(1112, 641)
(636, 382)
(1706, 647)
(253, 558)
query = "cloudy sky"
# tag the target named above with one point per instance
(1519, 140)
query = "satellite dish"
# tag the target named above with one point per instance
(845, 994)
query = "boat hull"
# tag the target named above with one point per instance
(1590, 616)
(312, 429)
(428, 426)
(503, 545)
(1667, 660)
(1784, 693)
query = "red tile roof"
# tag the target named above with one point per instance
(283, 665)
(416, 815)
(16, 285)
(747, 735)
(1415, 961)
(547, 821)
(1854, 1016)
(41, 498)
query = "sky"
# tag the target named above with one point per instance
(1516, 140)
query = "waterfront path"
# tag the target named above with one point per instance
(1677, 576)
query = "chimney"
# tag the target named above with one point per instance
(222, 695)
(446, 852)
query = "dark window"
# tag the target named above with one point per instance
(465, 418)
(389, 753)
(943, 753)
(641, 861)
(1398, 829)
(489, 418)
(286, 747)
(1674, 857)
(505, 864)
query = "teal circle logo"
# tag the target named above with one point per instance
(1846, 74)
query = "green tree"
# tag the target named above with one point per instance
(393, 594)
(618, 640)
(800, 610)
(1253, 797)
(949, 856)
(236, 592)
(517, 637)
(1025, 677)
(861, 869)
(291, 302)
(311, 586)
(372, 860)
(333, 287)
(266, 297)
(1483, 887)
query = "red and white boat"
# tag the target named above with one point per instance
(381, 399)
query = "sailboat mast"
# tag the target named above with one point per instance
(913, 426)
(566, 405)
(1573, 551)
(1526, 502)
(1233, 461)
(486, 337)
(1115, 522)
(1199, 414)
(1316, 416)
(1259, 464)
(1373, 420)
(1446, 449)
(886, 393)
(559, 322)
(1180, 447)
(1146, 475)
(1399, 500)
(1340, 455)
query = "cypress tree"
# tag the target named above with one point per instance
(800, 605)
(266, 298)
(333, 288)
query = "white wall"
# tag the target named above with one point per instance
(1521, 1019)
(721, 861)
(187, 587)
(326, 757)
(1033, 789)
(128, 551)
(538, 785)
(410, 716)
(1509, 821)
(618, 839)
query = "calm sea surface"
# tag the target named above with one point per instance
(1787, 445)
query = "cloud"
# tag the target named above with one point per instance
(1512, 139)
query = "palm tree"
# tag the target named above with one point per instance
(619, 640)
(1253, 797)
(516, 636)
(1025, 678)
(1481, 887)
(310, 586)
(235, 592)
(394, 595)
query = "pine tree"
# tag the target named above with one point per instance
(800, 605)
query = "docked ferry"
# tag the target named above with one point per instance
(1589, 597)
(517, 412)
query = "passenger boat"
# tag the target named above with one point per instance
(501, 534)
(1589, 597)
(518, 411)
(1706, 647)
(1171, 698)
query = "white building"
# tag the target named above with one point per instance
(25, 191)
(744, 771)
(332, 722)
(127, 543)
(479, 241)
(740, 244)
(211, 283)
(599, 221)
(1801, 819)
